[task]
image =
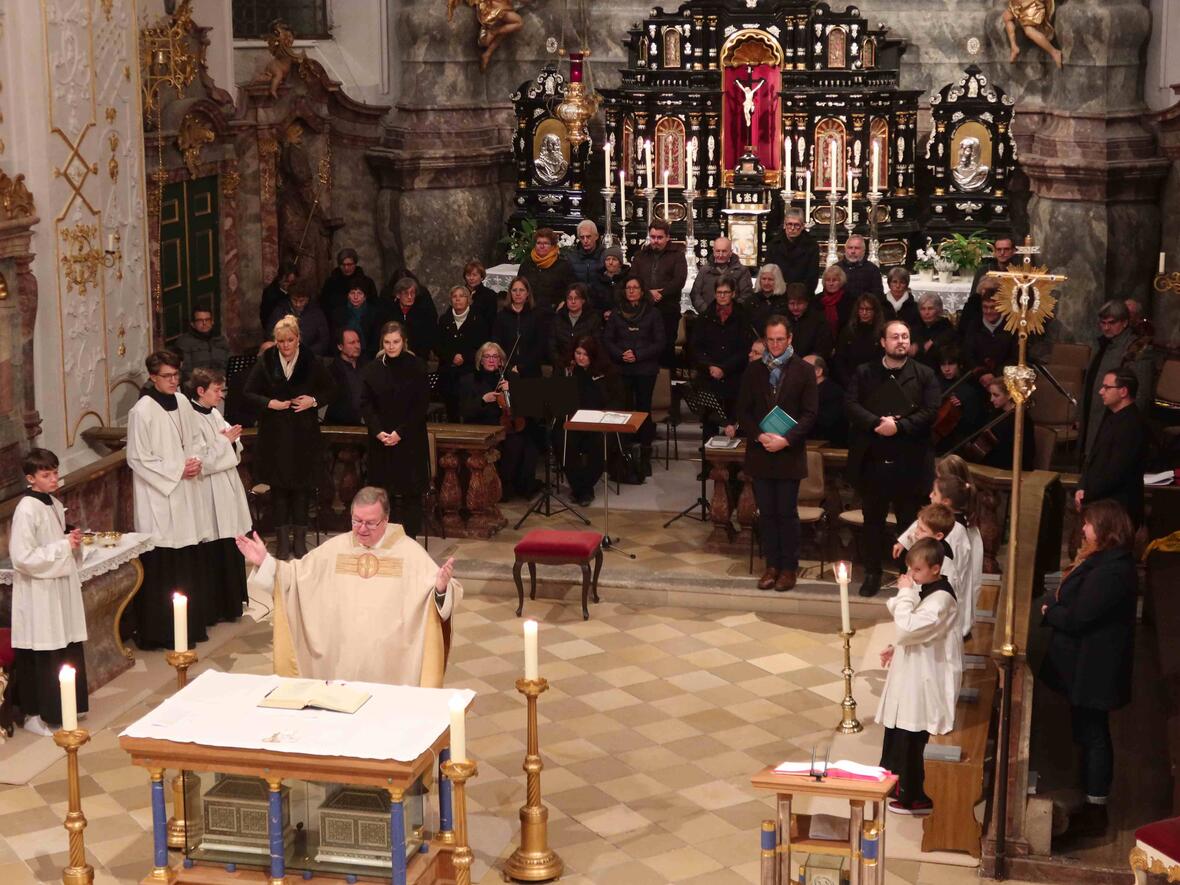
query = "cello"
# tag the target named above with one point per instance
(950, 413)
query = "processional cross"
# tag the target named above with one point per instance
(1026, 302)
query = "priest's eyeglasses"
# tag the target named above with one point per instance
(369, 524)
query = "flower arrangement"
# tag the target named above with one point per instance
(926, 257)
(967, 253)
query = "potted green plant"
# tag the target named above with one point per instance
(968, 252)
(518, 243)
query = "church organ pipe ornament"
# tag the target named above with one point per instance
(971, 156)
(781, 81)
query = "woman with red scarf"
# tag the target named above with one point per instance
(833, 302)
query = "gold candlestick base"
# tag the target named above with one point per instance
(177, 826)
(78, 872)
(849, 724)
(458, 773)
(534, 860)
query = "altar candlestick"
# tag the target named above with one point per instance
(876, 166)
(530, 650)
(622, 196)
(67, 679)
(832, 154)
(850, 199)
(807, 199)
(667, 217)
(787, 165)
(1161, 270)
(692, 160)
(606, 151)
(843, 570)
(180, 621)
(647, 160)
(458, 729)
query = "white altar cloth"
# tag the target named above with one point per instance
(398, 722)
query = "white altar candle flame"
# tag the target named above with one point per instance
(180, 621)
(67, 680)
(531, 669)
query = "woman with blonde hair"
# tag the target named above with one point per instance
(479, 402)
(287, 385)
(833, 301)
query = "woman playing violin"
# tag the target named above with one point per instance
(997, 452)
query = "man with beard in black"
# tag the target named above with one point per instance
(864, 277)
(660, 265)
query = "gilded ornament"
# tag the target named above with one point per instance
(169, 55)
(113, 168)
(229, 183)
(191, 139)
(280, 41)
(1035, 18)
(82, 258)
(112, 113)
(498, 19)
(107, 6)
(113, 141)
(15, 199)
(1020, 299)
(3, 287)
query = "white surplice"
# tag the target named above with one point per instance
(167, 506)
(963, 568)
(223, 497)
(923, 681)
(47, 611)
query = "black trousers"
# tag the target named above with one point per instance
(518, 463)
(35, 690)
(885, 484)
(1091, 732)
(639, 391)
(290, 506)
(583, 461)
(901, 753)
(778, 521)
(406, 511)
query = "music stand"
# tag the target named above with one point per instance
(545, 399)
(631, 425)
(705, 405)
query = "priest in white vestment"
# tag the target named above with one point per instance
(368, 605)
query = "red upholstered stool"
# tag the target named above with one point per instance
(1157, 850)
(550, 547)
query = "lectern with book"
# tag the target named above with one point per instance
(591, 421)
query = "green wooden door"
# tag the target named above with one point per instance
(190, 269)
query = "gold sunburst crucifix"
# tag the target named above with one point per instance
(1025, 298)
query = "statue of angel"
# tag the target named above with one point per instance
(497, 20)
(1036, 18)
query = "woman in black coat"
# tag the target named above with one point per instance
(1000, 455)
(518, 330)
(460, 333)
(485, 301)
(599, 388)
(932, 333)
(1091, 650)
(720, 349)
(634, 340)
(778, 462)
(277, 292)
(517, 466)
(575, 319)
(548, 272)
(860, 340)
(286, 386)
(394, 395)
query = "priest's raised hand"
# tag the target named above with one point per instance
(253, 549)
(444, 575)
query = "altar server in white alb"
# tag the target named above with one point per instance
(368, 605)
(226, 512)
(48, 621)
(925, 671)
(162, 445)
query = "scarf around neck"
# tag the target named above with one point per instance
(545, 262)
(830, 302)
(776, 363)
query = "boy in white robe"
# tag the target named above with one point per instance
(925, 672)
(48, 620)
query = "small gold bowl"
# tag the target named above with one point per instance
(88, 537)
(110, 539)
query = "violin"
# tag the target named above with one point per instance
(510, 422)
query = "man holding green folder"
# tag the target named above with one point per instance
(777, 405)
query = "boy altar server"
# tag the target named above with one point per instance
(48, 621)
(925, 671)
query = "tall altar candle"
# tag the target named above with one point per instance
(530, 650)
(843, 574)
(807, 198)
(647, 159)
(850, 198)
(876, 166)
(622, 195)
(67, 680)
(832, 177)
(1161, 262)
(667, 217)
(692, 160)
(790, 147)
(606, 151)
(180, 621)
(458, 729)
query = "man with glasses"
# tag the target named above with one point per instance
(796, 252)
(369, 605)
(1118, 347)
(1003, 251)
(164, 452)
(587, 260)
(347, 274)
(1114, 465)
(199, 348)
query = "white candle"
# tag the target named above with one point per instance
(647, 161)
(850, 198)
(180, 621)
(876, 165)
(530, 650)
(667, 217)
(788, 144)
(606, 149)
(69, 698)
(622, 196)
(843, 573)
(1161, 262)
(832, 179)
(111, 243)
(692, 160)
(807, 199)
(458, 729)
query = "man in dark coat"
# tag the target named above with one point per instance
(417, 317)
(277, 292)
(796, 252)
(1118, 347)
(345, 368)
(725, 264)
(810, 332)
(1003, 251)
(891, 405)
(777, 462)
(660, 264)
(720, 349)
(988, 345)
(864, 277)
(199, 347)
(831, 423)
(586, 260)
(1114, 463)
(343, 277)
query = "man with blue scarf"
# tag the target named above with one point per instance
(777, 462)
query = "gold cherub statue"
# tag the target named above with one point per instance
(497, 19)
(280, 41)
(1036, 18)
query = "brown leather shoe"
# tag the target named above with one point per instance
(766, 582)
(785, 581)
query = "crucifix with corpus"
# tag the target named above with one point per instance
(748, 88)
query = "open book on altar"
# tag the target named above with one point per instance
(844, 770)
(299, 694)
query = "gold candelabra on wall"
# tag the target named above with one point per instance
(82, 258)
